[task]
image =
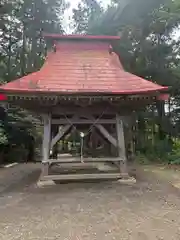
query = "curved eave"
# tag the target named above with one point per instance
(75, 99)
(93, 97)
(69, 92)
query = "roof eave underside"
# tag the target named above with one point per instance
(85, 93)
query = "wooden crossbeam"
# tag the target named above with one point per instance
(82, 121)
(71, 110)
(106, 134)
(61, 133)
(78, 160)
(92, 176)
(102, 129)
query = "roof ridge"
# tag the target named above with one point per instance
(80, 36)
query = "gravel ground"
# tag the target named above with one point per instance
(18, 176)
(105, 210)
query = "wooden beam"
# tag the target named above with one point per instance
(69, 110)
(102, 129)
(46, 137)
(106, 134)
(45, 170)
(82, 121)
(61, 133)
(78, 160)
(63, 130)
(67, 177)
(121, 144)
(120, 137)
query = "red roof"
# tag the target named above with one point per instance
(82, 67)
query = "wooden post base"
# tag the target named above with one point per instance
(45, 170)
(123, 168)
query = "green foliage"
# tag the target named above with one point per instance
(86, 15)
(142, 158)
(174, 156)
(22, 50)
(162, 152)
(147, 46)
(148, 49)
(3, 136)
(22, 44)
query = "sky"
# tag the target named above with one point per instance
(68, 13)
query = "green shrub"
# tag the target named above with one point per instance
(174, 156)
(162, 151)
(142, 159)
(17, 154)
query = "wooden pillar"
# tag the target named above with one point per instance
(46, 143)
(54, 132)
(121, 145)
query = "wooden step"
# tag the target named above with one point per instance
(93, 176)
(85, 160)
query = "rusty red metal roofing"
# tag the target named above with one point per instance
(79, 68)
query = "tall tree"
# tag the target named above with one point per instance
(86, 15)
(22, 50)
(147, 47)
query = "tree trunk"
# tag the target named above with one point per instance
(9, 58)
(161, 119)
(23, 59)
(141, 133)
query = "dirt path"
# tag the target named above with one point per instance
(170, 174)
(18, 176)
(105, 210)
